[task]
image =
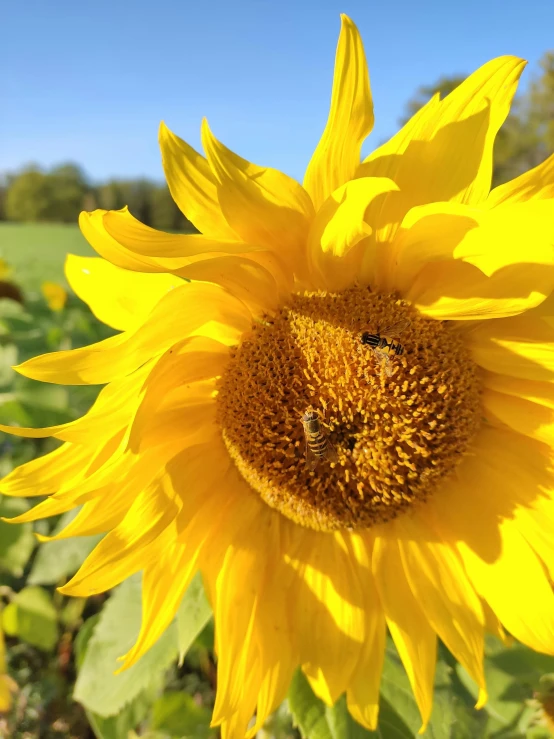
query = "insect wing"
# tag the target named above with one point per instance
(311, 459)
(383, 359)
(395, 329)
(331, 453)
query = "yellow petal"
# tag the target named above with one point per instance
(46, 474)
(541, 393)
(262, 205)
(93, 518)
(428, 233)
(522, 472)
(92, 228)
(488, 239)
(107, 495)
(123, 550)
(328, 611)
(523, 416)
(499, 562)
(253, 622)
(89, 479)
(385, 161)
(414, 637)
(241, 571)
(194, 359)
(459, 291)
(493, 625)
(522, 346)
(192, 185)
(242, 268)
(362, 695)
(536, 183)
(120, 298)
(183, 376)
(196, 477)
(166, 249)
(187, 413)
(245, 279)
(449, 154)
(445, 595)
(339, 226)
(197, 308)
(337, 155)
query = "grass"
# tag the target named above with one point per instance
(37, 251)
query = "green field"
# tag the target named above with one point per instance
(36, 252)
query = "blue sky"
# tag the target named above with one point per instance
(90, 81)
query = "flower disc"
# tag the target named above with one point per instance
(388, 439)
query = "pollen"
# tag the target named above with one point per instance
(396, 419)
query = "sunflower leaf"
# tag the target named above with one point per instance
(318, 721)
(513, 675)
(453, 716)
(193, 614)
(31, 617)
(177, 714)
(55, 560)
(16, 540)
(97, 688)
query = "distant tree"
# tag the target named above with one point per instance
(3, 191)
(110, 195)
(89, 201)
(164, 213)
(69, 188)
(445, 85)
(540, 103)
(139, 196)
(29, 196)
(59, 195)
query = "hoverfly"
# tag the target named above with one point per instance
(382, 343)
(318, 445)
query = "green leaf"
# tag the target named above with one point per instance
(177, 714)
(512, 675)
(118, 727)
(318, 721)
(8, 357)
(453, 714)
(193, 614)
(83, 637)
(56, 560)
(97, 688)
(132, 714)
(16, 539)
(31, 617)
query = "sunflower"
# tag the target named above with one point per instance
(55, 295)
(335, 402)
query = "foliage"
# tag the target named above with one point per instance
(58, 196)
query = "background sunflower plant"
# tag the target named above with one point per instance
(384, 572)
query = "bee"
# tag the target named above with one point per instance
(318, 445)
(381, 348)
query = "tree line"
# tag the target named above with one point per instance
(61, 193)
(58, 195)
